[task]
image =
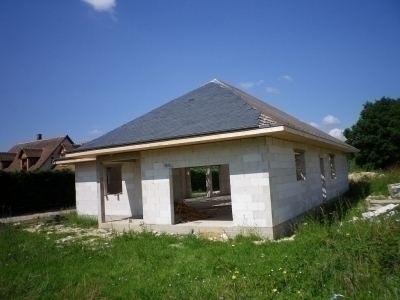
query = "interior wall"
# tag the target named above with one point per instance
(181, 184)
(224, 180)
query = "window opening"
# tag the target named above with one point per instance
(24, 164)
(332, 165)
(114, 179)
(300, 164)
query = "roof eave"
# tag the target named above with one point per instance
(68, 161)
(300, 136)
(281, 132)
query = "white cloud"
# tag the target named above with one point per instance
(330, 120)
(314, 124)
(287, 78)
(271, 89)
(95, 132)
(102, 5)
(250, 84)
(337, 133)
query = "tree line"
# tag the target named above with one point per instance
(376, 135)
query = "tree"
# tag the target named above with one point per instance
(377, 134)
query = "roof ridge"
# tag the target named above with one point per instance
(217, 81)
(52, 138)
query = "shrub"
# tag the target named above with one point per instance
(35, 191)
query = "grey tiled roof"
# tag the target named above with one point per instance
(212, 108)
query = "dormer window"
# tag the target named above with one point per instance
(24, 164)
(29, 157)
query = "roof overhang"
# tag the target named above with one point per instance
(294, 135)
(69, 161)
(281, 132)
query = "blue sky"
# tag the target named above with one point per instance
(83, 68)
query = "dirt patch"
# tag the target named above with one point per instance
(85, 235)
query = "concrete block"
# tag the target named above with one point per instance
(235, 190)
(163, 221)
(251, 157)
(148, 173)
(149, 207)
(253, 190)
(238, 206)
(165, 214)
(261, 206)
(394, 190)
(251, 206)
(241, 198)
(150, 199)
(158, 166)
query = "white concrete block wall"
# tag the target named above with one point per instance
(128, 203)
(157, 193)
(136, 201)
(248, 178)
(264, 188)
(123, 205)
(86, 188)
(341, 183)
(289, 197)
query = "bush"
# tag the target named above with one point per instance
(36, 191)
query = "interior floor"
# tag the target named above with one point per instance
(217, 207)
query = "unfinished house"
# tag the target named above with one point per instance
(270, 167)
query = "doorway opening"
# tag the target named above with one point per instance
(202, 193)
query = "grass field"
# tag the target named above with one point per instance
(379, 184)
(329, 255)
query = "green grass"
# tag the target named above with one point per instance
(330, 255)
(379, 184)
(73, 219)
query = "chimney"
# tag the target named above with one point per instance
(39, 136)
